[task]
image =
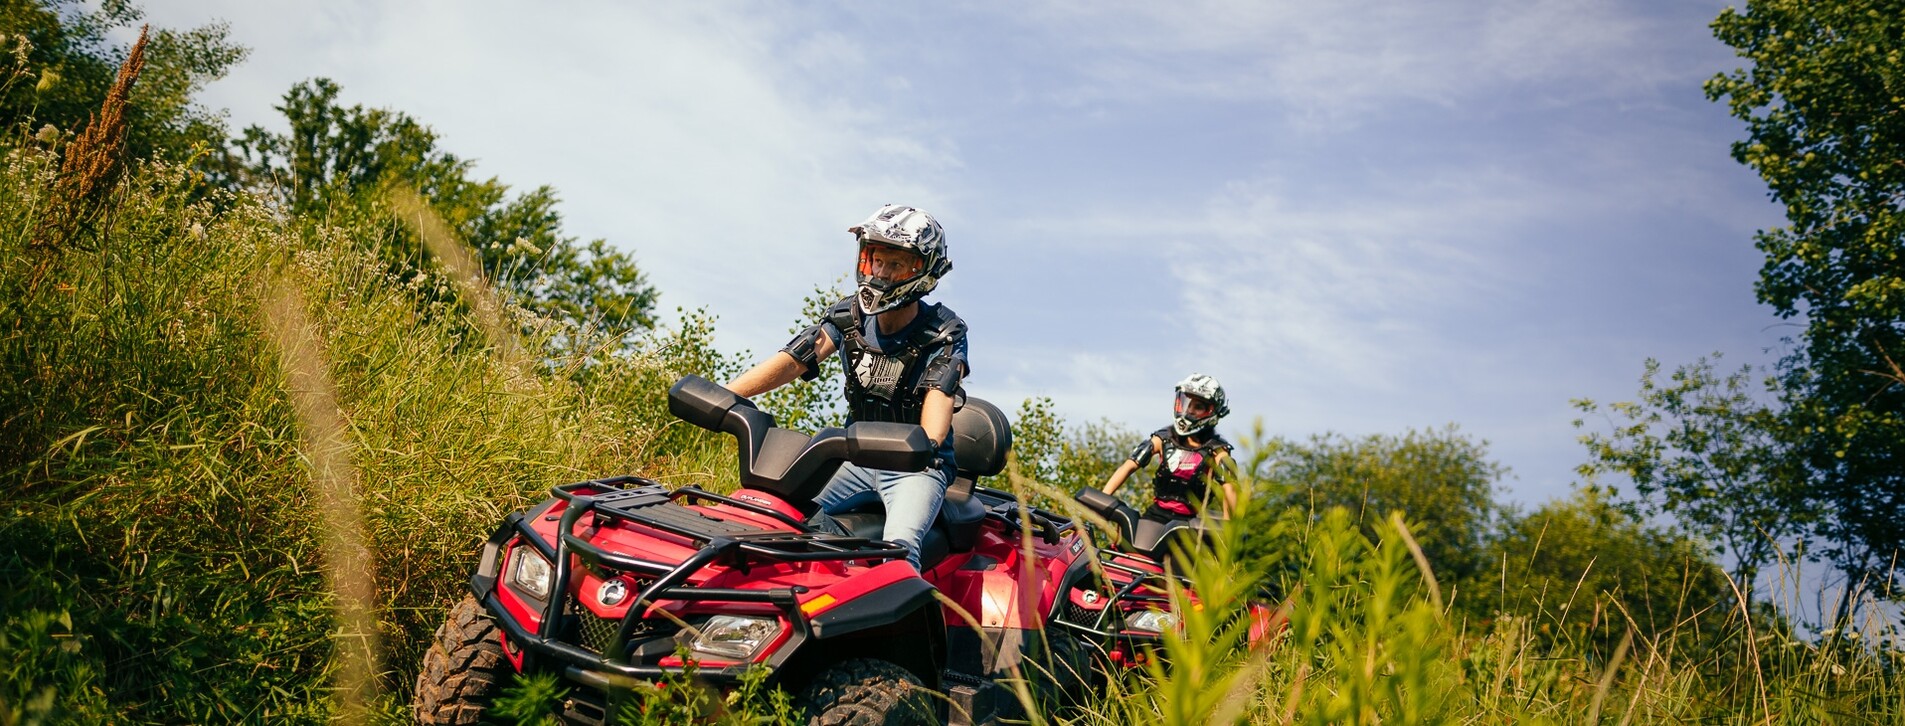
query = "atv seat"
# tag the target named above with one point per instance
(1139, 534)
(982, 436)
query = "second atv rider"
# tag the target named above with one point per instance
(904, 360)
(1189, 453)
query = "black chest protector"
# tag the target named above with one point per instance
(1184, 473)
(891, 385)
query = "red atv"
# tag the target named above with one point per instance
(1135, 573)
(611, 582)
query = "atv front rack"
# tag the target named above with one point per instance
(1107, 624)
(730, 543)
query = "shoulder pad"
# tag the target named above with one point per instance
(943, 324)
(840, 312)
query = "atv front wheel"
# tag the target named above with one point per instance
(866, 692)
(464, 670)
(1063, 672)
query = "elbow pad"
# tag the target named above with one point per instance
(942, 373)
(802, 348)
(1142, 454)
(1222, 466)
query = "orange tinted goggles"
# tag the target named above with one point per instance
(891, 263)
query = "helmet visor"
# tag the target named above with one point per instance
(1194, 407)
(889, 264)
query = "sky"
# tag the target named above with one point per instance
(1362, 216)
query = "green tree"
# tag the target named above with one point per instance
(1824, 105)
(335, 161)
(1442, 482)
(56, 64)
(812, 404)
(1709, 451)
(1589, 570)
(1066, 457)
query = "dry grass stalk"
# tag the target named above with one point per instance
(95, 161)
(465, 271)
(349, 567)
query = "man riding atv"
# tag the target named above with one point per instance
(903, 358)
(923, 611)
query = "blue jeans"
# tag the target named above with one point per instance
(911, 498)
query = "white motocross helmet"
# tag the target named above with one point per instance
(905, 228)
(1200, 402)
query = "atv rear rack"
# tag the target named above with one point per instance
(727, 542)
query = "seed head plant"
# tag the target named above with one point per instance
(93, 163)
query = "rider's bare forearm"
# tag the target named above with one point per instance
(767, 375)
(1118, 477)
(935, 415)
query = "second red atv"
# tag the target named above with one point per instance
(610, 582)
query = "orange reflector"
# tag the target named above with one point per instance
(818, 604)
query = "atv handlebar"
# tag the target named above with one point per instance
(789, 463)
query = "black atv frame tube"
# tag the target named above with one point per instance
(604, 667)
(1128, 593)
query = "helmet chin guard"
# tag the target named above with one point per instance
(1200, 403)
(903, 228)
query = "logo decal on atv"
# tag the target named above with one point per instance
(612, 593)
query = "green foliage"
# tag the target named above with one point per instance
(810, 405)
(334, 163)
(1442, 481)
(1821, 105)
(31, 686)
(159, 495)
(1590, 573)
(679, 697)
(56, 64)
(1710, 452)
(532, 700)
(1068, 458)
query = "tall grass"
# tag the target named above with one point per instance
(1370, 640)
(162, 523)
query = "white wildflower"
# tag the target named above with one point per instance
(525, 247)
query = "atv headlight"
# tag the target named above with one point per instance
(1156, 621)
(529, 572)
(733, 637)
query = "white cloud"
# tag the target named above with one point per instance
(1330, 61)
(688, 133)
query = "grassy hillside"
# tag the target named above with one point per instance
(161, 528)
(171, 536)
